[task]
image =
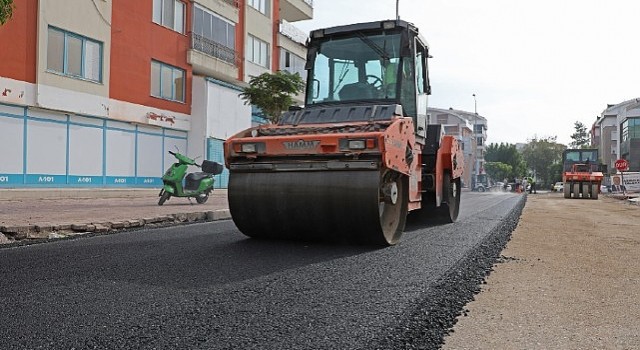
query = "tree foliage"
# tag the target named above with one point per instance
(580, 137)
(506, 153)
(544, 159)
(6, 10)
(498, 171)
(273, 92)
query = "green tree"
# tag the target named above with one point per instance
(544, 159)
(580, 137)
(6, 10)
(273, 93)
(497, 170)
(508, 154)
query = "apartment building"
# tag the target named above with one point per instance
(470, 131)
(604, 137)
(94, 93)
(616, 134)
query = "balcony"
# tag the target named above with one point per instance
(228, 9)
(296, 10)
(213, 59)
(292, 32)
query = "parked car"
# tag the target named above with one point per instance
(501, 186)
(558, 187)
(480, 188)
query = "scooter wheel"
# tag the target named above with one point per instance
(165, 196)
(201, 199)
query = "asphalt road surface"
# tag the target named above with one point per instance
(206, 286)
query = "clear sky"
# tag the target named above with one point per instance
(536, 67)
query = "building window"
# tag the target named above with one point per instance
(258, 51)
(261, 5)
(631, 129)
(213, 35)
(292, 63)
(169, 13)
(479, 141)
(442, 119)
(212, 27)
(167, 82)
(74, 55)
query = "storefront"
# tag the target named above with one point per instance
(44, 148)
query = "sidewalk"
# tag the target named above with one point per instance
(58, 213)
(569, 278)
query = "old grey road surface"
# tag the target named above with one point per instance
(206, 286)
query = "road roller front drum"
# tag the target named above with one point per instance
(357, 206)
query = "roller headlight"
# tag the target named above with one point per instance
(248, 148)
(357, 144)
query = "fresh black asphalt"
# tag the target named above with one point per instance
(206, 286)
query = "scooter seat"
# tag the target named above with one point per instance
(197, 176)
(192, 181)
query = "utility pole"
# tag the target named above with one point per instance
(397, 9)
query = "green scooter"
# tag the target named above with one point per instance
(196, 185)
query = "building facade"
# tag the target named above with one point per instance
(94, 93)
(470, 131)
(616, 134)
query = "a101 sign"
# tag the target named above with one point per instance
(622, 165)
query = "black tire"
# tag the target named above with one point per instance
(450, 206)
(164, 197)
(201, 199)
(393, 216)
(576, 190)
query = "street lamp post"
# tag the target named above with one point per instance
(475, 105)
(476, 162)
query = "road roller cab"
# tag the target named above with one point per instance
(359, 156)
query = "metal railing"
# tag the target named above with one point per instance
(214, 49)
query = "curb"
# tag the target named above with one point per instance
(38, 232)
(10, 194)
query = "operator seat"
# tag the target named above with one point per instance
(357, 91)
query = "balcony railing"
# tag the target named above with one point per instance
(214, 49)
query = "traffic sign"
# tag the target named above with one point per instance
(622, 165)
